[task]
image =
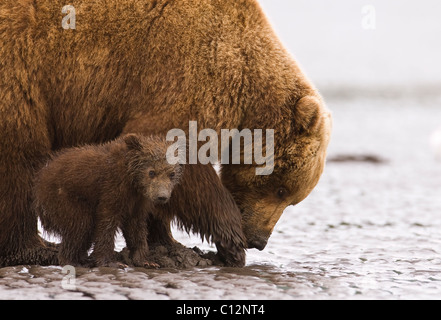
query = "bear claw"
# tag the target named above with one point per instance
(148, 264)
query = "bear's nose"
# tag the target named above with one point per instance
(162, 199)
(258, 243)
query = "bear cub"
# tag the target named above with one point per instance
(85, 194)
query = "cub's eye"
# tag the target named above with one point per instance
(172, 175)
(152, 173)
(282, 193)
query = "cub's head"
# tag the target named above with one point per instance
(151, 173)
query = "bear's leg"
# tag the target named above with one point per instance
(24, 145)
(77, 240)
(74, 252)
(135, 233)
(19, 239)
(107, 222)
(202, 204)
(159, 231)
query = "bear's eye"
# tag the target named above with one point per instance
(172, 175)
(282, 193)
(152, 173)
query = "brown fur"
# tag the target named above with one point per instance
(146, 66)
(85, 194)
(211, 212)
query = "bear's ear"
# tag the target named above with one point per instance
(307, 113)
(132, 142)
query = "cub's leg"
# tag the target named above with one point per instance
(106, 224)
(135, 233)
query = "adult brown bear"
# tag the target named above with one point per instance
(146, 66)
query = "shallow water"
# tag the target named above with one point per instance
(368, 231)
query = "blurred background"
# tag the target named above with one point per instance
(373, 44)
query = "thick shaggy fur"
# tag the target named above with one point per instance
(211, 212)
(85, 194)
(146, 66)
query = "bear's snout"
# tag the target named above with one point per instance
(159, 191)
(161, 195)
(161, 199)
(257, 242)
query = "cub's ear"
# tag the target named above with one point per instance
(307, 113)
(132, 142)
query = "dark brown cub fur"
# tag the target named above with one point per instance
(84, 194)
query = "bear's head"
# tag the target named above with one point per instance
(299, 159)
(151, 173)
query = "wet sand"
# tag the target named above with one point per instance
(370, 229)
